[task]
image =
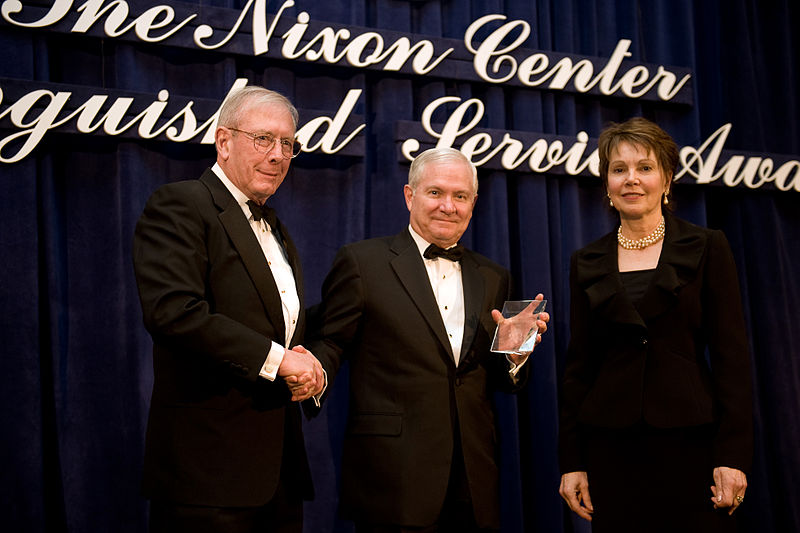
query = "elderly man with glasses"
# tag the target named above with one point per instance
(222, 297)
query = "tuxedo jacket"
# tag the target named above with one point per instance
(216, 430)
(678, 358)
(408, 399)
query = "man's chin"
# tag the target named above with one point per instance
(266, 192)
(445, 240)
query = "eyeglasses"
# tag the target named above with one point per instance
(263, 143)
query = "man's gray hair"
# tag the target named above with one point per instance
(439, 155)
(230, 114)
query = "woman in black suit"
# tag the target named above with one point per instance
(656, 396)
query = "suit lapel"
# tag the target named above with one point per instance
(680, 259)
(474, 291)
(244, 241)
(598, 275)
(410, 270)
(294, 262)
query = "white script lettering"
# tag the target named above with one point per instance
(93, 10)
(752, 172)
(494, 63)
(360, 51)
(541, 156)
(180, 127)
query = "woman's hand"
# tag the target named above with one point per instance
(575, 491)
(729, 487)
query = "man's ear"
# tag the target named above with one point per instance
(408, 192)
(222, 140)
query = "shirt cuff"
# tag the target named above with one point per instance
(515, 367)
(318, 397)
(274, 359)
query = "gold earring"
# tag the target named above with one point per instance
(666, 199)
(610, 201)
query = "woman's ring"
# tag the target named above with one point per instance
(740, 499)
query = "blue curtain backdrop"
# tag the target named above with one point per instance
(75, 371)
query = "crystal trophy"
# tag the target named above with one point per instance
(518, 331)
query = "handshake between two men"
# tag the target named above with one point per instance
(305, 377)
(220, 284)
(302, 373)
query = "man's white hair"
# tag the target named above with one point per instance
(439, 155)
(230, 114)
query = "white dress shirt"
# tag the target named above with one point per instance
(448, 288)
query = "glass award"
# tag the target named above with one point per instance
(517, 333)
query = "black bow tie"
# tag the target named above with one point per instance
(262, 211)
(451, 254)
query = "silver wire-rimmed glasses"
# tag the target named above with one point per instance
(263, 143)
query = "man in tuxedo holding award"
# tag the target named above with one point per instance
(413, 316)
(222, 296)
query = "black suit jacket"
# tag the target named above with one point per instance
(647, 362)
(406, 393)
(216, 430)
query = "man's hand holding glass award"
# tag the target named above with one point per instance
(519, 327)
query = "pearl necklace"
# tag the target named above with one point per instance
(644, 242)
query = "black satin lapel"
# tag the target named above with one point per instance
(292, 256)
(598, 275)
(246, 244)
(678, 265)
(244, 240)
(294, 262)
(411, 271)
(474, 291)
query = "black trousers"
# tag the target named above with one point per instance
(283, 514)
(457, 515)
